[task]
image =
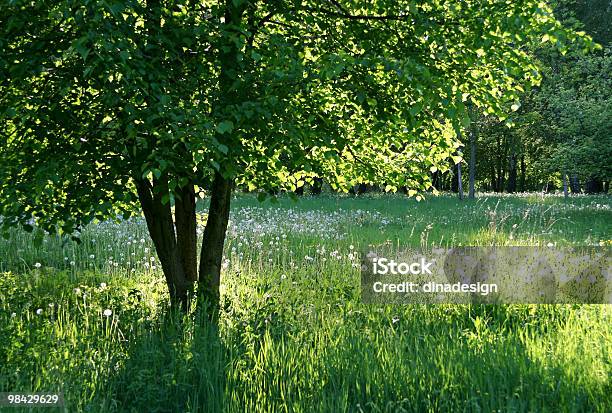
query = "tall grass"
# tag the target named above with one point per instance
(90, 320)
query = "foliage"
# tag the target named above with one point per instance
(576, 113)
(96, 95)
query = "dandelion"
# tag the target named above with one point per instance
(91, 257)
(550, 244)
(38, 265)
(107, 313)
(13, 315)
(39, 311)
(283, 276)
(72, 263)
(102, 285)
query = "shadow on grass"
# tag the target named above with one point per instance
(472, 360)
(177, 366)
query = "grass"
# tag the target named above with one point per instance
(294, 335)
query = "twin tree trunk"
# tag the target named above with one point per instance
(175, 239)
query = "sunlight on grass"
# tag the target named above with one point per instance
(91, 320)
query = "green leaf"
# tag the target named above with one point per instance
(223, 148)
(225, 127)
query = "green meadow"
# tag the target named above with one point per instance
(91, 320)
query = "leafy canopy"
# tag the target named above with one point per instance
(97, 94)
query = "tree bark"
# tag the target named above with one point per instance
(512, 174)
(230, 90)
(523, 173)
(186, 236)
(565, 192)
(317, 186)
(454, 184)
(158, 216)
(593, 185)
(574, 184)
(472, 173)
(214, 238)
(493, 179)
(459, 182)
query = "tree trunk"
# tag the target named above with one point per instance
(593, 185)
(214, 238)
(472, 190)
(186, 236)
(523, 173)
(454, 184)
(512, 174)
(161, 228)
(459, 182)
(493, 179)
(317, 186)
(565, 193)
(574, 184)
(230, 90)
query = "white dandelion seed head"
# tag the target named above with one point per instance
(39, 311)
(102, 285)
(107, 313)
(38, 265)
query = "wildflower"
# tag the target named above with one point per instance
(37, 265)
(395, 319)
(72, 263)
(39, 311)
(107, 313)
(91, 257)
(77, 290)
(283, 276)
(13, 315)
(102, 285)
(550, 244)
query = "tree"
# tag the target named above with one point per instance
(108, 107)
